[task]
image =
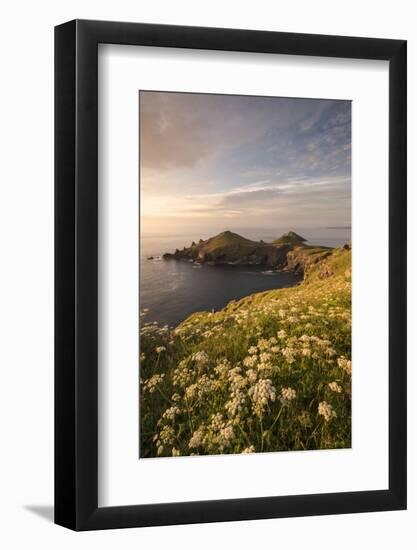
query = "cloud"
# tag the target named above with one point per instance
(243, 157)
(170, 136)
(263, 196)
(179, 130)
(260, 199)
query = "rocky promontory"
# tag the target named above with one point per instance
(288, 252)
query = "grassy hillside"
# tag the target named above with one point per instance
(229, 247)
(227, 239)
(287, 251)
(290, 238)
(270, 372)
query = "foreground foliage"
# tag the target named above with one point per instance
(270, 372)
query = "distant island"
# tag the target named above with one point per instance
(288, 252)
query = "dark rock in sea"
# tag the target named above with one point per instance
(150, 257)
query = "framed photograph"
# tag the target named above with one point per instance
(230, 252)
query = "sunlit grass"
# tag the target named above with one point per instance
(270, 372)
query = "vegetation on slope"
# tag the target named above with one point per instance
(229, 247)
(270, 372)
(301, 258)
(290, 238)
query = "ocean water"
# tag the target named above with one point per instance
(172, 290)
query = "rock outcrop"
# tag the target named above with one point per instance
(290, 238)
(288, 252)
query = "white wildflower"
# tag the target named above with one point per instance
(263, 344)
(287, 395)
(261, 393)
(289, 354)
(200, 357)
(252, 376)
(345, 364)
(151, 383)
(327, 411)
(250, 360)
(197, 439)
(334, 386)
(171, 413)
(167, 435)
(191, 391)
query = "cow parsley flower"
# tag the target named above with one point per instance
(200, 357)
(261, 394)
(327, 411)
(250, 360)
(151, 383)
(171, 413)
(334, 386)
(289, 354)
(287, 395)
(345, 364)
(197, 438)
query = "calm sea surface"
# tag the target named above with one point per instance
(172, 290)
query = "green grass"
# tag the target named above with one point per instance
(270, 372)
(230, 246)
(226, 239)
(289, 238)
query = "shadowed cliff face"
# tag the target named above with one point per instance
(288, 252)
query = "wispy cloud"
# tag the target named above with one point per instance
(244, 158)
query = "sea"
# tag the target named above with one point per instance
(172, 290)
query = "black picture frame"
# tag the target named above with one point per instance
(76, 272)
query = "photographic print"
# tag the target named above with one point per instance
(245, 274)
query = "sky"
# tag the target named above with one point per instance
(214, 162)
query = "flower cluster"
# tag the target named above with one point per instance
(287, 395)
(267, 373)
(334, 386)
(345, 364)
(326, 411)
(262, 393)
(152, 383)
